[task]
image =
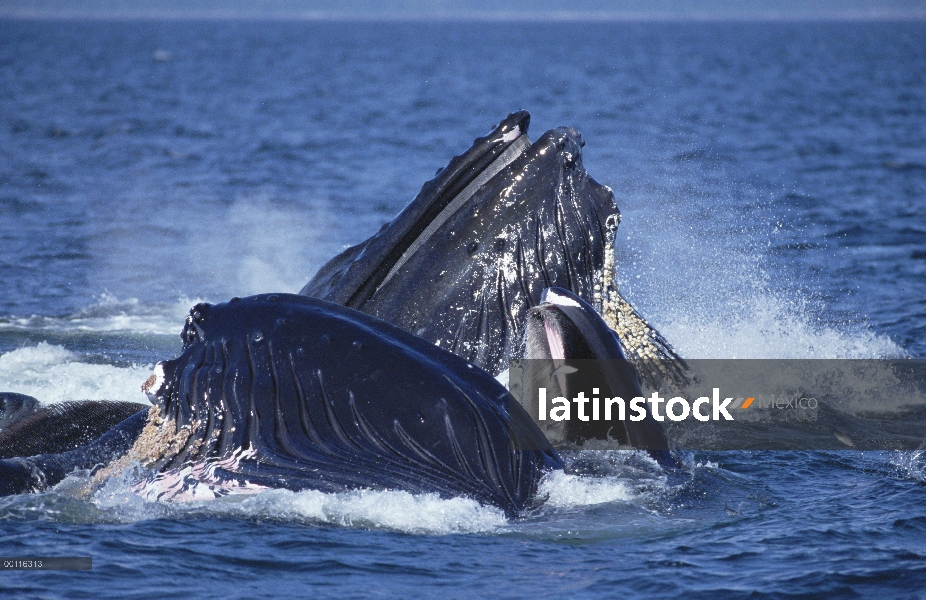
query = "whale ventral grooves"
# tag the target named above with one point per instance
(290, 391)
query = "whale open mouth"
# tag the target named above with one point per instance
(564, 335)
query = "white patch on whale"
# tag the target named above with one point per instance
(550, 295)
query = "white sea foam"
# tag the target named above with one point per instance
(395, 510)
(766, 327)
(564, 490)
(111, 315)
(53, 374)
(402, 511)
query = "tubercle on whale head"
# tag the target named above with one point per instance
(193, 326)
(564, 146)
(466, 167)
(565, 141)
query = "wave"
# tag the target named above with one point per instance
(109, 315)
(53, 374)
(118, 501)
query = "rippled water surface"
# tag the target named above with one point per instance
(772, 179)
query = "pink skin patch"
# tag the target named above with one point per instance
(555, 341)
(198, 481)
(557, 352)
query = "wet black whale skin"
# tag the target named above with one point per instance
(325, 397)
(312, 395)
(540, 222)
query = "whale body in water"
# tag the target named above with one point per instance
(292, 392)
(380, 373)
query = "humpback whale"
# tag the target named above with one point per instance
(63, 426)
(25, 474)
(380, 373)
(287, 391)
(462, 264)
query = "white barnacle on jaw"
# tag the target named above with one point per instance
(153, 383)
(512, 135)
(509, 136)
(553, 298)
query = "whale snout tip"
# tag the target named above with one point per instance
(510, 128)
(519, 119)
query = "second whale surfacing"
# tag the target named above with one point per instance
(464, 261)
(462, 264)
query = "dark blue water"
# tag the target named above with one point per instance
(772, 179)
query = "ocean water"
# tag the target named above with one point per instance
(772, 179)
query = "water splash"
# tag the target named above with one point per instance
(701, 273)
(368, 509)
(54, 374)
(564, 490)
(108, 315)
